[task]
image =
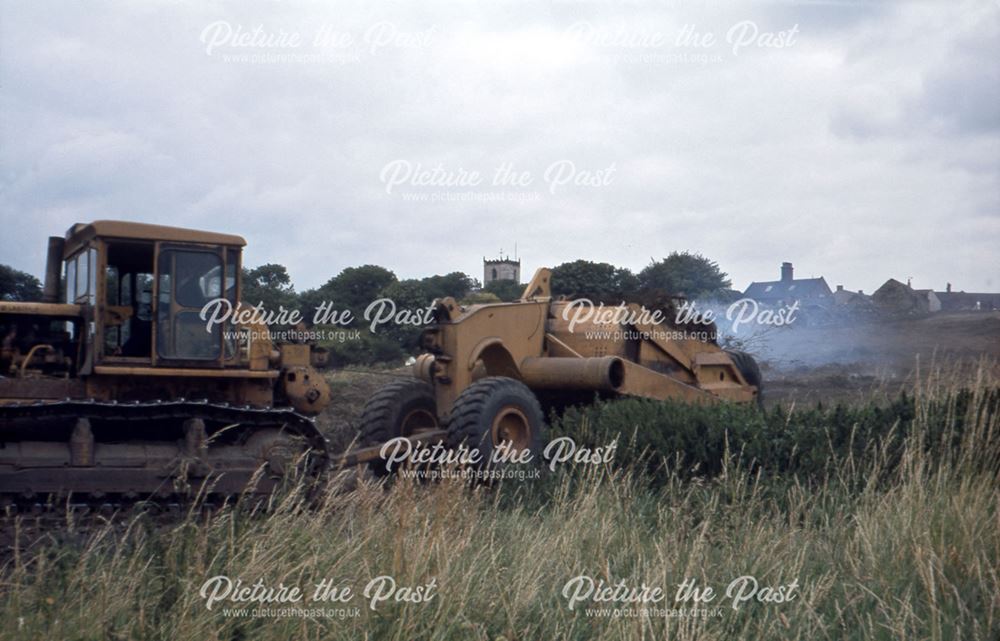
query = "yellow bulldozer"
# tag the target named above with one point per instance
(116, 385)
(487, 370)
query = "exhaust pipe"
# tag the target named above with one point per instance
(599, 374)
(53, 270)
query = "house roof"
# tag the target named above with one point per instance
(893, 287)
(799, 288)
(960, 300)
(847, 295)
(966, 295)
(899, 298)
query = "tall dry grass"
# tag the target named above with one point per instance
(889, 541)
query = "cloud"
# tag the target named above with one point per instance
(852, 149)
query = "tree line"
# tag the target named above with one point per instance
(679, 275)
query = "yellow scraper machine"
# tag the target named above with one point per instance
(487, 370)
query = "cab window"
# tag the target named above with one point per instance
(81, 277)
(128, 278)
(188, 279)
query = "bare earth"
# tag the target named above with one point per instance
(350, 389)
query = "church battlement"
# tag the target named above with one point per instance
(501, 269)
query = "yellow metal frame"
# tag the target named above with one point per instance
(528, 340)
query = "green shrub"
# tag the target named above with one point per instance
(368, 349)
(671, 437)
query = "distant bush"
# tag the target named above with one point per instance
(505, 290)
(667, 438)
(369, 349)
(480, 298)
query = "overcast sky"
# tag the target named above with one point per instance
(858, 140)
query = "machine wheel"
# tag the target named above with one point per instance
(494, 410)
(750, 370)
(400, 408)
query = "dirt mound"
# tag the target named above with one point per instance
(350, 390)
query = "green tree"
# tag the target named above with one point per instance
(16, 285)
(456, 284)
(505, 290)
(271, 285)
(415, 296)
(480, 298)
(354, 289)
(309, 302)
(271, 276)
(408, 296)
(359, 286)
(393, 340)
(684, 274)
(599, 282)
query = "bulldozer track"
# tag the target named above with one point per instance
(53, 416)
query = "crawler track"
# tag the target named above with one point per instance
(138, 450)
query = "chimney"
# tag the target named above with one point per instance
(840, 288)
(786, 272)
(948, 288)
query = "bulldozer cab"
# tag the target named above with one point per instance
(142, 288)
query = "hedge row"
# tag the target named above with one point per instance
(665, 438)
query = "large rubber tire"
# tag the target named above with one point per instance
(398, 409)
(493, 410)
(750, 370)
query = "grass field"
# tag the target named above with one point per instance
(886, 518)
